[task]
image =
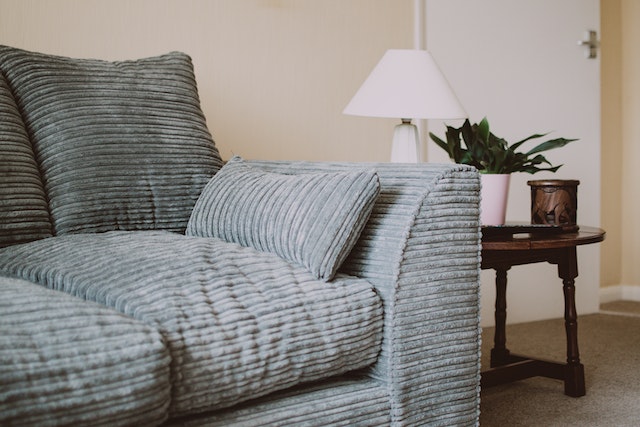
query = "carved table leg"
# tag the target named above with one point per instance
(574, 384)
(499, 352)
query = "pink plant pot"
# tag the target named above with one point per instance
(494, 193)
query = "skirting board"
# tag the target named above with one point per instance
(619, 292)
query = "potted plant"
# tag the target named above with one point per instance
(496, 160)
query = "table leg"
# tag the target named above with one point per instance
(574, 384)
(499, 352)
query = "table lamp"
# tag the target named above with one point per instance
(406, 84)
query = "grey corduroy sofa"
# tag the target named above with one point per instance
(144, 281)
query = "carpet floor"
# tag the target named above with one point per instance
(609, 345)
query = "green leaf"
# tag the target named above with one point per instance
(548, 145)
(516, 145)
(483, 130)
(439, 142)
(468, 134)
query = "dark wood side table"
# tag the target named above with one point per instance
(503, 248)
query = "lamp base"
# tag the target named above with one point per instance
(405, 143)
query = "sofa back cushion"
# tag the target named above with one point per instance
(24, 215)
(120, 145)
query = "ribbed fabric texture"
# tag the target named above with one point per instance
(124, 145)
(64, 361)
(310, 219)
(239, 323)
(121, 145)
(24, 215)
(421, 250)
(344, 402)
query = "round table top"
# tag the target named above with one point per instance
(527, 241)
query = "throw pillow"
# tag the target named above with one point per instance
(310, 219)
(121, 145)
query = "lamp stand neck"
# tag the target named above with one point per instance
(406, 143)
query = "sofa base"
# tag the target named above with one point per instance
(338, 402)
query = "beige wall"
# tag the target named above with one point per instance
(621, 144)
(611, 147)
(630, 152)
(274, 75)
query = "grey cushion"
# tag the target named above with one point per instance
(24, 215)
(64, 361)
(121, 145)
(239, 323)
(311, 219)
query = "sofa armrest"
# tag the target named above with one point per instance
(421, 251)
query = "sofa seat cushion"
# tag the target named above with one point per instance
(64, 361)
(239, 323)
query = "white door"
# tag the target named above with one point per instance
(518, 62)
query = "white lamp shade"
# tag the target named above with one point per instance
(406, 84)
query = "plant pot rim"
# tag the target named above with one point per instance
(553, 182)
